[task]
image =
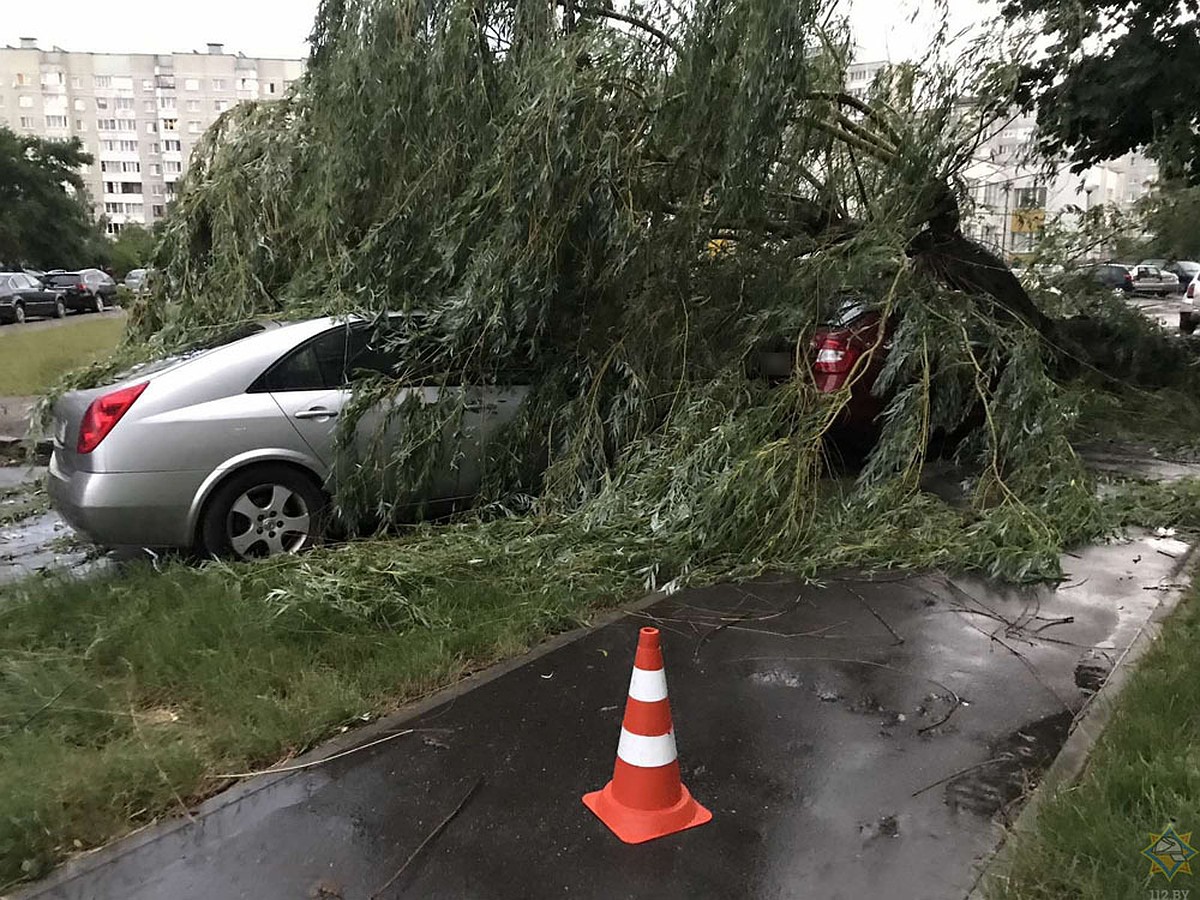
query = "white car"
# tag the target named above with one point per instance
(1188, 317)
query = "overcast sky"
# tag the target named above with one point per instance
(281, 27)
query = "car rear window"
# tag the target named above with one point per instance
(62, 280)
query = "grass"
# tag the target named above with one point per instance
(1143, 775)
(32, 360)
(125, 696)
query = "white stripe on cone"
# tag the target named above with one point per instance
(647, 752)
(648, 685)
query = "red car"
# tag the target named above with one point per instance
(839, 353)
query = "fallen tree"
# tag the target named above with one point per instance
(623, 206)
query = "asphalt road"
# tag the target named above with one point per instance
(1163, 310)
(858, 739)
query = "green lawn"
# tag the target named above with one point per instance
(1143, 776)
(126, 694)
(32, 359)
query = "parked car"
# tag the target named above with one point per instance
(23, 296)
(1183, 269)
(88, 290)
(1189, 317)
(137, 280)
(1111, 275)
(1153, 280)
(229, 451)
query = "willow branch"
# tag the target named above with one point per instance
(627, 19)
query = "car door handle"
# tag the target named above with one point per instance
(317, 412)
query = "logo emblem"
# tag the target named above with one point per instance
(1170, 853)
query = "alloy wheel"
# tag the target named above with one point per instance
(268, 520)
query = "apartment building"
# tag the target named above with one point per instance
(139, 115)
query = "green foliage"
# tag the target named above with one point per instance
(1118, 76)
(132, 249)
(44, 221)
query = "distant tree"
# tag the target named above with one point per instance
(44, 219)
(1119, 75)
(132, 249)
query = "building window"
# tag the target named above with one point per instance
(148, 106)
(131, 187)
(166, 102)
(194, 127)
(1029, 198)
(76, 82)
(79, 105)
(192, 84)
(25, 102)
(56, 121)
(52, 79)
(147, 84)
(106, 124)
(21, 79)
(220, 105)
(112, 227)
(270, 87)
(107, 165)
(26, 121)
(170, 188)
(170, 124)
(102, 81)
(117, 209)
(156, 169)
(127, 146)
(126, 124)
(124, 103)
(137, 210)
(172, 146)
(110, 187)
(219, 84)
(131, 167)
(173, 167)
(157, 211)
(193, 106)
(151, 128)
(101, 103)
(157, 190)
(155, 148)
(164, 82)
(80, 125)
(248, 84)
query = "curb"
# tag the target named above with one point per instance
(1088, 726)
(90, 860)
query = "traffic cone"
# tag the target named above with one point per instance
(646, 799)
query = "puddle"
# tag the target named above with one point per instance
(1016, 761)
(40, 543)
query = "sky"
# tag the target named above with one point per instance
(883, 29)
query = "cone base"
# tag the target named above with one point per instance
(636, 826)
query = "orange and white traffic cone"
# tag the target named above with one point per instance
(646, 798)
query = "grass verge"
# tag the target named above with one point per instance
(1144, 775)
(124, 697)
(31, 360)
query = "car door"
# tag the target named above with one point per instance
(38, 301)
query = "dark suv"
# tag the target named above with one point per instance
(1112, 275)
(88, 290)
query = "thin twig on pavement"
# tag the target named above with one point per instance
(441, 826)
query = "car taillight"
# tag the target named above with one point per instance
(103, 414)
(834, 355)
(1192, 291)
(81, 286)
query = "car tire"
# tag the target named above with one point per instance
(60, 310)
(257, 513)
(19, 314)
(97, 303)
(1187, 324)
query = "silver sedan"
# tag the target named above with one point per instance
(231, 451)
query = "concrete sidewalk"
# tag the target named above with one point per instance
(861, 739)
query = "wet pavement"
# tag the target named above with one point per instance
(34, 538)
(1161, 309)
(857, 739)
